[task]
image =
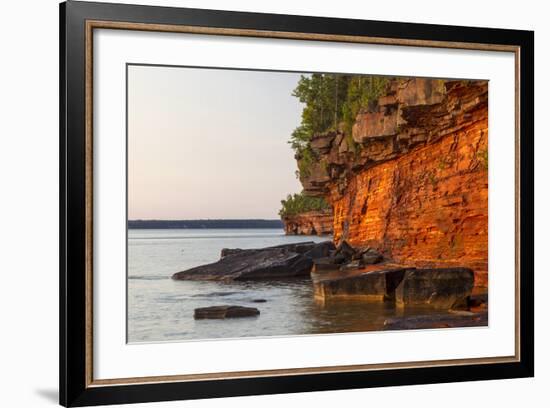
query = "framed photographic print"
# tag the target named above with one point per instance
(256, 203)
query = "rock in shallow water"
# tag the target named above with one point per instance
(441, 288)
(436, 321)
(370, 285)
(225, 312)
(282, 261)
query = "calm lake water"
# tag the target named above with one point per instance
(161, 309)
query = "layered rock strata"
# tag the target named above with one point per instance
(309, 223)
(277, 262)
(412, 180)
(441, 288)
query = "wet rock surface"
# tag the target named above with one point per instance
(346, 257)
(283, 261)
(442, 288)
(376, 285)
(419, 298)
(478, 302)
(346, 275)
(225, 312)
(437, 321)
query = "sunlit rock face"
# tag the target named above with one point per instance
(309, 223)
(412, 181)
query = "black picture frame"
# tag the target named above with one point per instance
(74, 389)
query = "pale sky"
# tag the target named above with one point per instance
(209, 143)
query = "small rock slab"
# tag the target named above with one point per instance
(225, 312)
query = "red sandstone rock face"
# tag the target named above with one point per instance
(414, 112)
(309, 223)
(417, 188)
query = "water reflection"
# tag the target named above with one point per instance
(286, 308)
(161, 309)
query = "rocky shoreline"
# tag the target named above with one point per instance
(277, 262)
(406, 194)
(415, 183)
(346, 273)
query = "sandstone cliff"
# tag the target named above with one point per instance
(412, 178)
(309, 223)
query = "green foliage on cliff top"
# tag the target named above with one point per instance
(300, 203)
(363, 92)
(331, 100)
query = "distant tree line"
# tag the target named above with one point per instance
(331, 100)
(203, 224)
(300, 203)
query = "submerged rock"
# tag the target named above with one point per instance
(282, 261)
(436, 321)
(225, 312)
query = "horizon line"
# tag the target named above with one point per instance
(205, 219)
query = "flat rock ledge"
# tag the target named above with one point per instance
(277, 262)
(225, 312)
(441, 288)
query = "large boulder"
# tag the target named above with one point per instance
(282, 261)
(439, 288)
(370, 256)
(365, 256)
(376, 285)
(442, 288)
(345, 250)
